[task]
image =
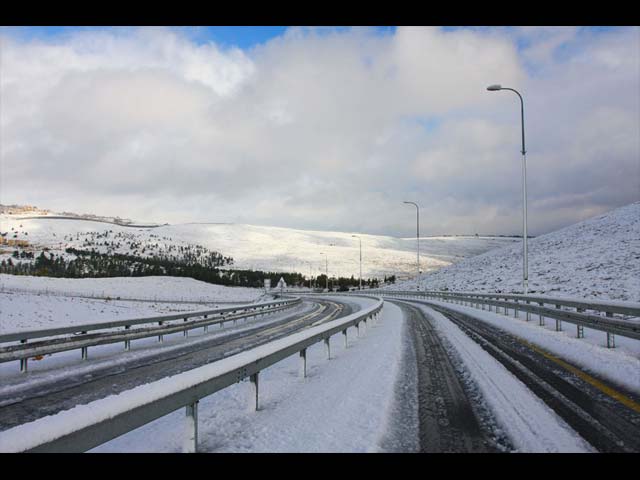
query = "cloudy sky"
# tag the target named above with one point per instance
(325, 129)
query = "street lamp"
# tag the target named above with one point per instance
(418, 237)
(525, 273)
(326, 259)
(360, 284)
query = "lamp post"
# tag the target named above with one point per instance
(326, 259)
(360, 283)
(525, 272)
(418, 238)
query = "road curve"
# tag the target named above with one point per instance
(48, 398)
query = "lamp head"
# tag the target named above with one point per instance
(493, 88)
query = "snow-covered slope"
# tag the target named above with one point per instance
(252, 247)
(596, 258)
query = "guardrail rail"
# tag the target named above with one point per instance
(611, 317)
(87, 426)
(49, 341)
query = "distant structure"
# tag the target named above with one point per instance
(282, 284)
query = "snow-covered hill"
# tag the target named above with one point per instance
(252, 247)
(596, 258)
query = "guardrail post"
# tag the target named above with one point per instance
(254, 382)
(84, 350)
(206, 327)
(528, 314)
(358, 330)
(127, 343)
(558, 322)
(344, 334)
(160, 337)
(580, 328)
(23, 361)
(327, 347)
(540, 316)
(611, 339)
(303, 363)
(186, 332)
(190, 444)
(515, 310)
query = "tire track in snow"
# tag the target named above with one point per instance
(529, 422)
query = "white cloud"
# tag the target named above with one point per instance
(323, 130)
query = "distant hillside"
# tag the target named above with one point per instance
(596, 258)
(29, 211)
(251, 247)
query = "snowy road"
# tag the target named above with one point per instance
(46, 393)
(447, 422)
(542, 403)
(426, 379)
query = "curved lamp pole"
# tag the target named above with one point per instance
(525, 273)
(418, 237)
(360, 284)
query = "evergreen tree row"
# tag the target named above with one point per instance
(93, 264)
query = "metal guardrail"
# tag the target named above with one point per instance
(613, 318)
(111, 417)
(49, 341)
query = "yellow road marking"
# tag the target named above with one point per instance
(622, 398)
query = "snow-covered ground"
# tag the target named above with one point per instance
(346, 404)
(254, 247)
(28, 303)
(158, 288)
(598, 258)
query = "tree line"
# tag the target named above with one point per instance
(94, 264)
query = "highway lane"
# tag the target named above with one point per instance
(605, 415)
(448, 420)
(47, 398)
